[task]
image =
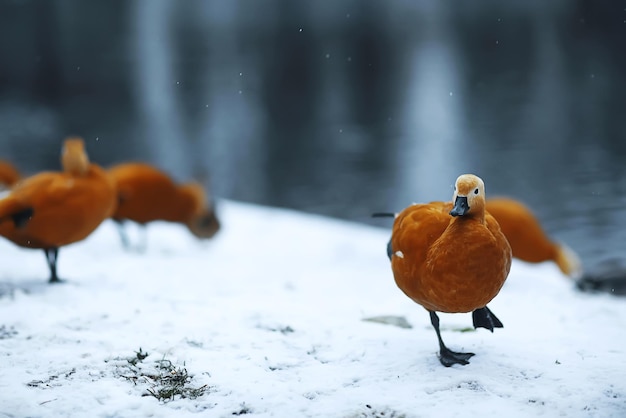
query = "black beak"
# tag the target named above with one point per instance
(460, 206)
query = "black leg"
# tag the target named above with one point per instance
(484, 318)
(143, 244)
(52, 256)
(447, 357)
(123, 235)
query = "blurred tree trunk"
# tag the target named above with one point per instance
(156, 84)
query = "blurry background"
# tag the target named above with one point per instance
(340, 107)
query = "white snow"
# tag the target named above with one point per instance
(269, 315)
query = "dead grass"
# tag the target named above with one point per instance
(162, 379)
(371, 412)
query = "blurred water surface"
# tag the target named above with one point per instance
(341, 108)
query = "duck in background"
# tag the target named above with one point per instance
(147, 194)
(53, 209)
(451, 257)
(9, 175)
(531, 244)
(528, 240)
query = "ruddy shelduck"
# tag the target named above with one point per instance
(451, 257)
(528, 240)
(53, 209)
(147, 194)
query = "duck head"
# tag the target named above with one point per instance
(206, 225)
(74, 158)
(469, 195)
(203, 222)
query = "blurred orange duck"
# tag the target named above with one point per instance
(528, 240)
(451, 257)
(147, 194)
(9, 175)
(53, 209)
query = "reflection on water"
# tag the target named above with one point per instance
(341, 108)
(431, 150)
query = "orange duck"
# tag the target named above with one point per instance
(8, 175)
(451, 257)
(528, 240)
(147, 194)
(54, 209)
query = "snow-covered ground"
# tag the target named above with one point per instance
(268, 320)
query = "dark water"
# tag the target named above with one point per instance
(340, 108)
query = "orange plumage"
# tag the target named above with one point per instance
(147, 194)
(452, 263)
(9, 175)
(53, 209)
(528, 240)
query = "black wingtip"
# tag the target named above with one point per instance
(383, 215)
(21, 218)
(389, 250)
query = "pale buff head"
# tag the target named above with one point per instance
(203, 222)
(469, 196)
(205, 225)
(74, 158)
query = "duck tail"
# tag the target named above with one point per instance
(569, 262)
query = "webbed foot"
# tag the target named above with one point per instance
(448, 357)
(484, 318)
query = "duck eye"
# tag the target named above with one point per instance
(476, 191)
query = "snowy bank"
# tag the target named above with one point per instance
(267, 320)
